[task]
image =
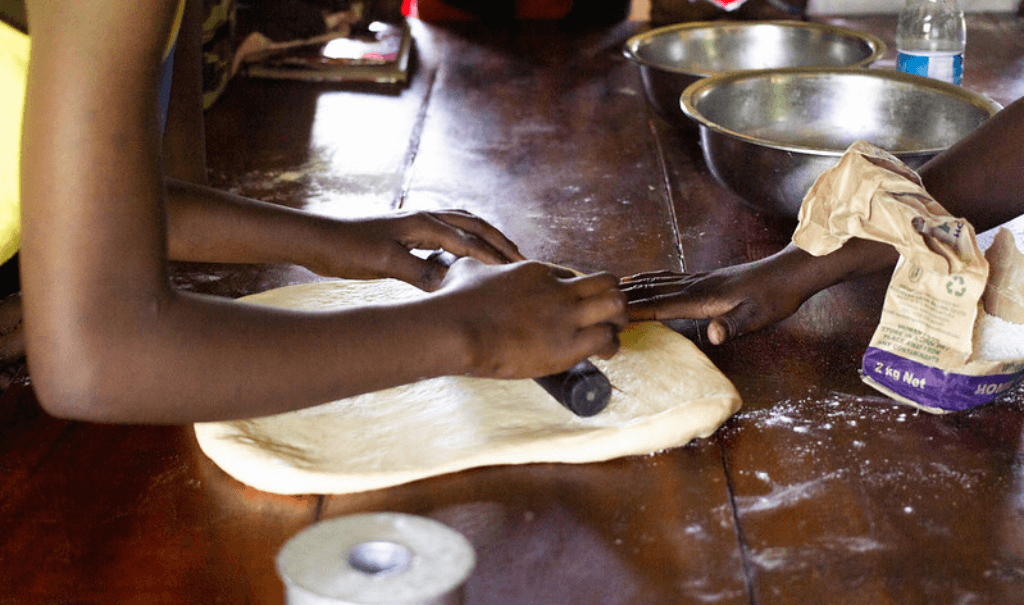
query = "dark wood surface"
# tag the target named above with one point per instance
(819, 490)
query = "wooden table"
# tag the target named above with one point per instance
(818, 491)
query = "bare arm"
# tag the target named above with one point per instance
(981, 178)
(208, 225)
(109, 340)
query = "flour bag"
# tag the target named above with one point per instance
(951, 334)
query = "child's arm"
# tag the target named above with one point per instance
(747, 297)
(108, 338)
(214, 226)
(981, 178)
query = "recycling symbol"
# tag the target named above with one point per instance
(956, 285)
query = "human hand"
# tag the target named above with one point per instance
(531, 319)
(381, 246)
(738, 299)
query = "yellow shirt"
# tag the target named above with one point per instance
(14, 48)
(13, 72)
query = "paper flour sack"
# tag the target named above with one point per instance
(946, 338)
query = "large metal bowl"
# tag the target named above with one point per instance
(768, 134)
(673, 57)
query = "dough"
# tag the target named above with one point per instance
(665, 393)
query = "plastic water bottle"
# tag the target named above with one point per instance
(930, 39)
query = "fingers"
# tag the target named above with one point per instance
(666, 307)
(426, 274)
(595, 283)
(724, 328)
(657, 284)
(601, 314)
(744, 318)
(674, 303)
(597, 295)
(601, 340)
(729, 318)
(599, 320)
(563, 317)
(611, 340)
(465, 234)
(650, 276)
(665, 295)
(601, 301)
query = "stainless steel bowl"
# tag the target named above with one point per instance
(768, 134)
(673, 57)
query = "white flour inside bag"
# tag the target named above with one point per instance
(1000, 331)
(998, 339)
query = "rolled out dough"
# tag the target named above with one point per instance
(665, 393)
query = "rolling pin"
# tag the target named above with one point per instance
(582, 389)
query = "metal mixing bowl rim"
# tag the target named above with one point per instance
(693, 91)
(876, 44)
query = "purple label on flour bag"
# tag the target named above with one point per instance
(931, 386)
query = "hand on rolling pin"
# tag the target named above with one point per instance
(737, 299)
(381, 246)
(530, 319)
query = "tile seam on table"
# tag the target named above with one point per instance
(414, 142)
(666, 188)
(748, 578)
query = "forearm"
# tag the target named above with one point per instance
(981, 178)
(208, 225)
(137, 351)
(215, 226)
(188, 358)
(856, 258)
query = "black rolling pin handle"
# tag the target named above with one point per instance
(583, 389)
